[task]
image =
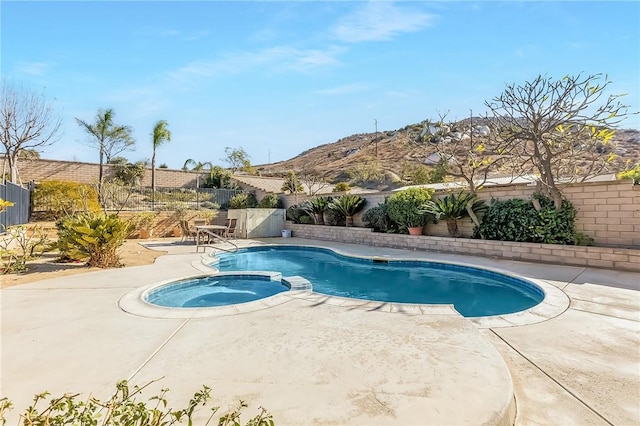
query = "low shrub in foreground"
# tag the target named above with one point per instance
(93, 237)
(123, 408)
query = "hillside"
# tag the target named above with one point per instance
(393, 149)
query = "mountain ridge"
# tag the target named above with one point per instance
(393, 150)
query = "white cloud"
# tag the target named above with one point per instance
(33, 68)
(278, 59)
(380, 20)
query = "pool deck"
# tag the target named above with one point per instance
(313, 359)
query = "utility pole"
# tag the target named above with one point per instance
(375, 120)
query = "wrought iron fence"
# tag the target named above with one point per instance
(20, 212)
(123, 198)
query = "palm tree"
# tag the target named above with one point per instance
(196, 167)
(348, 205)
(110, 138)
(161, 134)
(454, 207)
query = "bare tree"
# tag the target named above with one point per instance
(313, 181)
(560, 129)
(111, 139)
(28, 122)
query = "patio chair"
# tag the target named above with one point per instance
(187, 232)
(231, 229)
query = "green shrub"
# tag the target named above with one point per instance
(93, 237)
(453, 207)
(270, 201)
(124, 408)
(342, 187)
(518, 220)
(210, 205)
(405, 207)
(378, 219)
(19, 245)
(347, 206)
(58, 199)
(244, 200)
(632, 173)
(297, 214)
(316, 207)
(582, 239)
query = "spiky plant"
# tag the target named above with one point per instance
(316, 207)
(94, 237)
(452, 208)
(347, 205)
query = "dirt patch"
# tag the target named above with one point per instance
(45, 267)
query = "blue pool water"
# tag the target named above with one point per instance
(215, 291)
(473, 292)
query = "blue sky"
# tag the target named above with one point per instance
(277, 78)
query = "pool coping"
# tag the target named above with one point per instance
(554, 303)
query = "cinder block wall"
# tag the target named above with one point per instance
(609, 212)
(74, 171)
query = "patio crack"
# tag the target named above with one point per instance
(566, 389)
(162, 345)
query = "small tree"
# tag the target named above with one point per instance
(196, 167)
(126, 173)
(160, 135)
(292, 184)
(561, 129)
(238, 159)
(27, 123)
(111, 139)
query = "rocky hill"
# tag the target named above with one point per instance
(394, 150)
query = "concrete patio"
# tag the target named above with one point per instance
(313, 360)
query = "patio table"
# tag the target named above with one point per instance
(206, 230)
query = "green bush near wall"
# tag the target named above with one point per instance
(518, 220)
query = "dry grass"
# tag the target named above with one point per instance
(131, 254)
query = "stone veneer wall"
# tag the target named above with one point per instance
(609, 211)
(597, 257)
(74, 171)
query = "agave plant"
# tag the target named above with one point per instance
(316, 207)
(347, 205)
(452, 208)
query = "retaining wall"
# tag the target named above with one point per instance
(597, 257)
(608, 212)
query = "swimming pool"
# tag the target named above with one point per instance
(474, 292)
(217, 290)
